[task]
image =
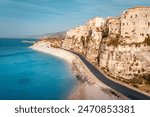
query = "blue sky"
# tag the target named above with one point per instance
(29, 17)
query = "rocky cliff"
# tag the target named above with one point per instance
(119, 46)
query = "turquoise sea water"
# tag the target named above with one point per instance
(26, 74)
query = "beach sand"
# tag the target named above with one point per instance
(88, 87)
(85, 91)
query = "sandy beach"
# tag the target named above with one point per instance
(88, 87)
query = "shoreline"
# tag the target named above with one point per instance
(88, 87)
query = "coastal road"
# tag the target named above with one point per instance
(130, 93)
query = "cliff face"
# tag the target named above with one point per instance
(51, 42)
(125, 61)
(120, 46)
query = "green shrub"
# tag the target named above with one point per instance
(136, 81)
(113, 42)
(147, 78)
(147, 40)
(135, 85)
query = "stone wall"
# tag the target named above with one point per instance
(135, 24)
(126, 61)
(95, 22)
(114, 27)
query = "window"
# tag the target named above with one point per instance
(124, 16)
(142, 34)
(147, 35)
(148, 23)
(146, 15)
(135, 16)
(123, 24)
(131, 16)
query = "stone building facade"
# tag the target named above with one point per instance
(135, 24)
(113, 25)
(95, 22)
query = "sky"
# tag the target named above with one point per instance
(30, 17)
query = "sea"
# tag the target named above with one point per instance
(26, 74)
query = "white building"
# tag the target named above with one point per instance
(135, 24)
